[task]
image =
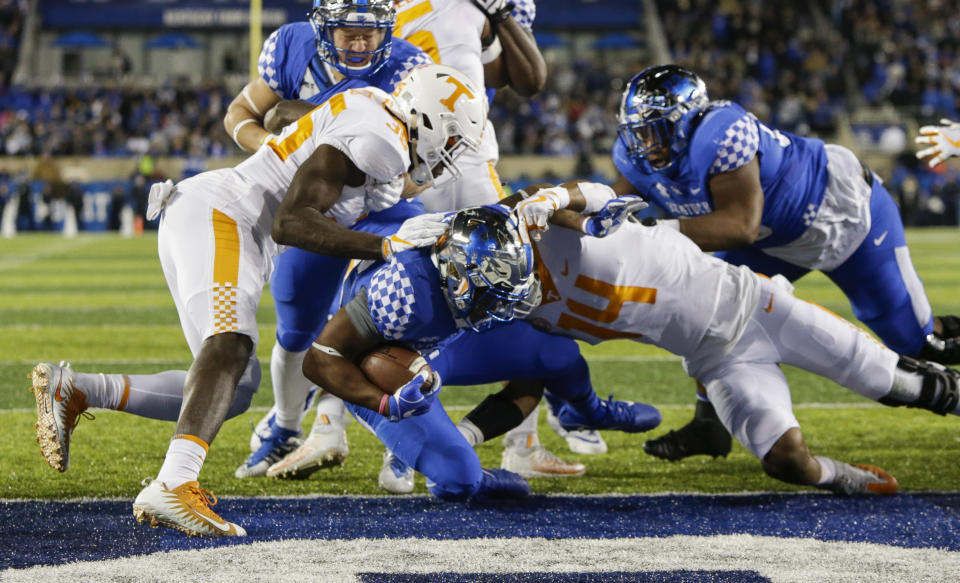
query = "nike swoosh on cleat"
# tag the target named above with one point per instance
(586, 439)
(878, 240)
(221, 526)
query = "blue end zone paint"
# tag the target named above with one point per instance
(607, 577)
(35, 532)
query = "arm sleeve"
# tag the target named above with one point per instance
(360, 317)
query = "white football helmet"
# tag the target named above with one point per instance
(445, 113)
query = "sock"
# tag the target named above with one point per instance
(184, 459)
(157, 396)
(906, 386)
(331, 414)
(828, 470)
(525, 434)
(470, 432)
(290, 387)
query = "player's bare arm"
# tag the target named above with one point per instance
(520, 65)
(284, 113)
(335, 366)
(244, 118)
(300, 220)
(738, 208)
(622, 186)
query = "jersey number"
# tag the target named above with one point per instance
(615, 295)
(422, 38)
(290, 144)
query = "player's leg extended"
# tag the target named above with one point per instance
(704, 435)
(885, 291)
(219, 270)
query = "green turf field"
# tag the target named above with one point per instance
(102, 303)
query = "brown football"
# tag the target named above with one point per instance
(391, 366)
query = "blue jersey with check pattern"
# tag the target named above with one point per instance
(793, 171)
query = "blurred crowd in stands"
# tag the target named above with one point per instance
(11, 29)
(797, 66)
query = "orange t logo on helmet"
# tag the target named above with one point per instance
(460, 89)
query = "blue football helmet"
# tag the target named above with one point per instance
(486, 269)
(327, 15)
(657, 112)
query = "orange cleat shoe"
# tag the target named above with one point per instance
(185, 508)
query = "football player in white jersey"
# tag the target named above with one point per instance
(219, 233)
(733, 329)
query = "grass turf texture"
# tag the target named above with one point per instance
(101, 302)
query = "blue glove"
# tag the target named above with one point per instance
(613, 214)
(409, 400)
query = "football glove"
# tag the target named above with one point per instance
(535, 211)
(160, 193)
(409, 400)
(613, 214)
(419, 231)
(496, 10)
(944, 142)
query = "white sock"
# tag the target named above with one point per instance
(525, 434)
(331, 414)
(290, 387)
(157, 396)
(470, 432)
(828, 470)
(184, 460)
(906, 385)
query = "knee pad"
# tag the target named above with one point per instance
(295, 340)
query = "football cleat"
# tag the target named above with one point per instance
(276, 444)
(583, 441)
(537, 462)
(264, 424)
(624, 416)
(322, 449)
(699, 437)
(500, 483)
(863, 480)
(59, 407)
(395, 476)
(185, 508)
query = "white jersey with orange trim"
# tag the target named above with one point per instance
(449, 31)
(354, 122)
(649, 284)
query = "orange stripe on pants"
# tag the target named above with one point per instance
(226, 270)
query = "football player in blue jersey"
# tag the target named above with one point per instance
(778, 203)
(456, 303)
(345, 44)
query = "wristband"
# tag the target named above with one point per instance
(596, 195)
(492, 51)
(384, 404)
(236, 130)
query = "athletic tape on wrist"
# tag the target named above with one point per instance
(236, 130)
(596, 195)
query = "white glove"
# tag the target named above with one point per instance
(160, 193)
(535, 210)
(944, 142)
(418, 231)
(378, 195)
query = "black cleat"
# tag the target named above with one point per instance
(699, 437)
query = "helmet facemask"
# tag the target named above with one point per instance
(378, 16)
(486, 270)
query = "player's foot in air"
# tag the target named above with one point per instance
(395, 476)
(59, 407)
(699, 437)
(624, 416)
(275, 444)
(185, 508)
(538, 462)
(325, 447)
(583, 441)
(862, 480)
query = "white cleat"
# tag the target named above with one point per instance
(59, 407)
(583, 441)
(324, 448)
(395, 477)
(185, 508)
(537, 462)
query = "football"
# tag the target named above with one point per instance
(391, 366)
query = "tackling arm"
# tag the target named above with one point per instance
(285, 113)
(315, 188)
(738, 208)
(244, 118)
